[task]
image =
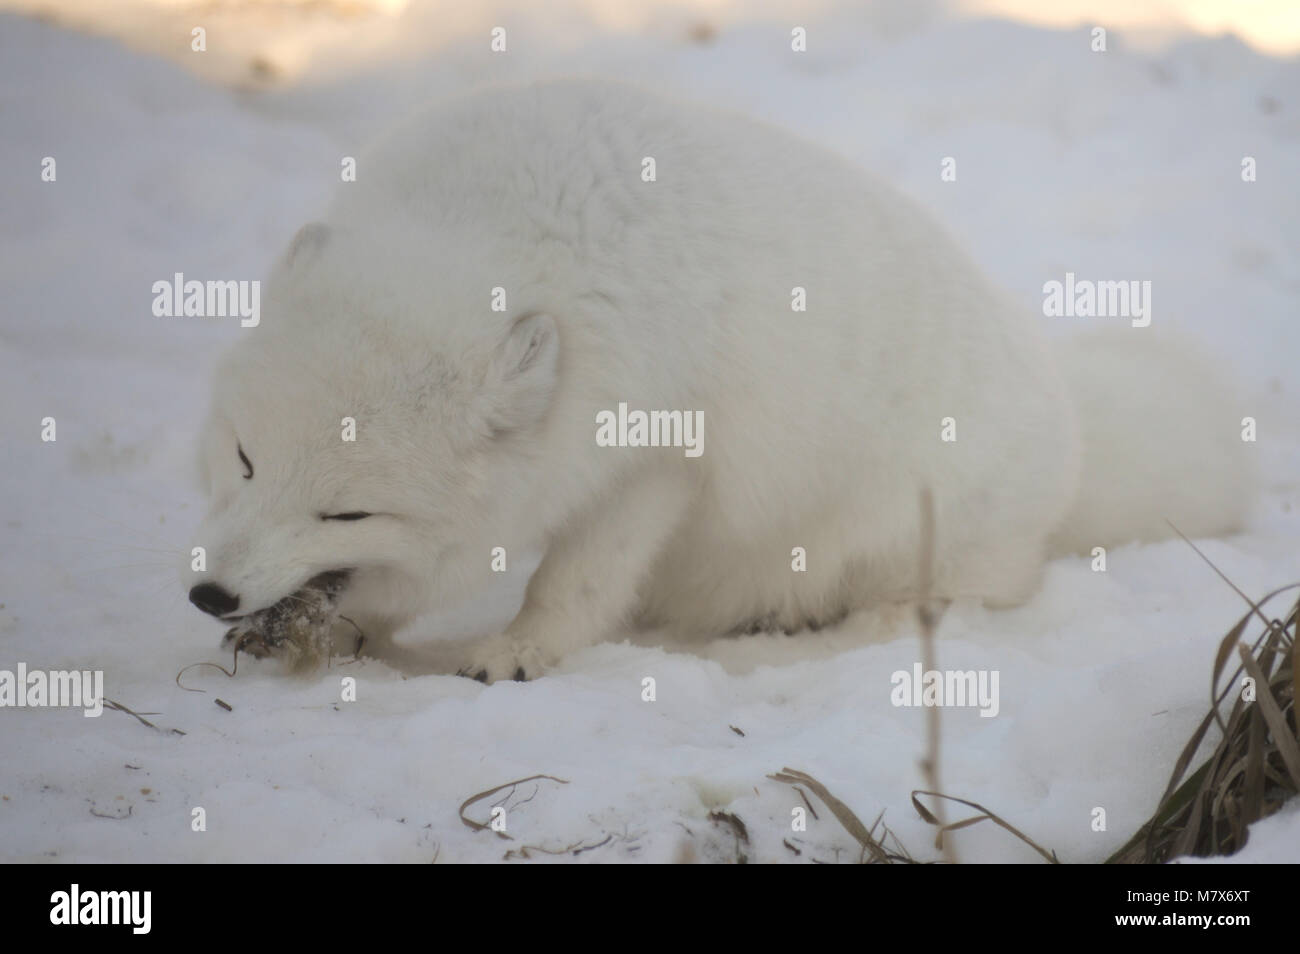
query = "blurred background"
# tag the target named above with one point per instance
(1122, 164)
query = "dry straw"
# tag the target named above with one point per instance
(1253, 770)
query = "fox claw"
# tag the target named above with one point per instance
(503, 658)
(481, 675)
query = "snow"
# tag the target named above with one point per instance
(1122, 164)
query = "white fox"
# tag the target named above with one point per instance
(513, 265)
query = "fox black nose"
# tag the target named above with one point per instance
(213, 599)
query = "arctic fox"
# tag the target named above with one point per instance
(516, 269)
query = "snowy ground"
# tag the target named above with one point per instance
(1123, 164)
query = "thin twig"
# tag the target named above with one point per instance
(925, 614)
(121, 708)
(478, 826)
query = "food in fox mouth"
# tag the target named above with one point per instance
(297, 629)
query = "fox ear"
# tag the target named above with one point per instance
(306, 245)
(523, 373)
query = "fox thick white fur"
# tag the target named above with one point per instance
(475, 428)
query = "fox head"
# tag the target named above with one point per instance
(373, 423)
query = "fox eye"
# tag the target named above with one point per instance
(248, 464)
(351, 515)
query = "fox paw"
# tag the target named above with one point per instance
(501, 657)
